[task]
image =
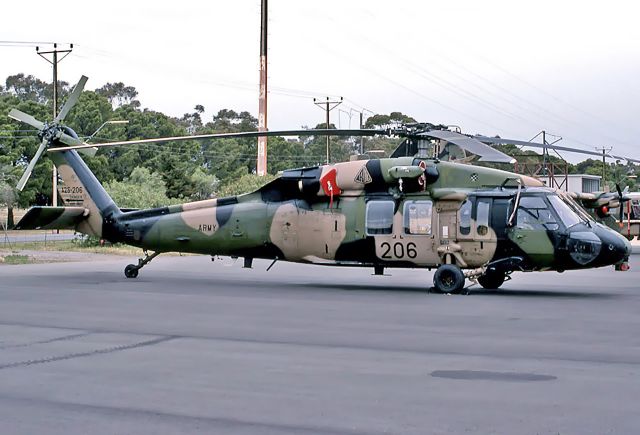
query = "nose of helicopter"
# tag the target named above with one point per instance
(597, 246)
(616, 249)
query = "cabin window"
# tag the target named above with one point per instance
(417, 217)
(465, 218)
(379, 218)
(534, 214)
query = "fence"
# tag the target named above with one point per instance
(17, 215)
(9, 239)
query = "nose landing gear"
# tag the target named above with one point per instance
(492, 279)
(131, 271)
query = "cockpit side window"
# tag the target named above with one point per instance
(534, 214)
(379, 219)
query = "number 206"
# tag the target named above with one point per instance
(398, 250)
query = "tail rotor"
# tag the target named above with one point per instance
(49, 133)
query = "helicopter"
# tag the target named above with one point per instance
(604, 206)
(419, 211)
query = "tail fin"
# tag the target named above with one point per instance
(80, 188)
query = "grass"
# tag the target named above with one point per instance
(78, 246)
(16, 259)
(69, 245)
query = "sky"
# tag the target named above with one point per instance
(508, 68)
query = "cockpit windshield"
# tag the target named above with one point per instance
(576, 207)
(565, 212)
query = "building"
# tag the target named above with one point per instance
(579, 183)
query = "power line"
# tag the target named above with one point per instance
(26, 42)
(540, 110)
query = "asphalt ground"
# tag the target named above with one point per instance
(194, 346)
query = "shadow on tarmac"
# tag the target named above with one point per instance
(544, 294)
(472, 292)
(359, 287)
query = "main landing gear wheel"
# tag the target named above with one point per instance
(448, 278)
(131, 271)
(492, 279)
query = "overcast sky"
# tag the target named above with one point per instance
(511, 68)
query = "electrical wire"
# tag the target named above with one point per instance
(26, 42)
(540, 110)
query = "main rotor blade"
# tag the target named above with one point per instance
(246, 134)
(72, 100)
(624, 158)
(501, 141)
(486, 153)
(32, 164)
(26, 118)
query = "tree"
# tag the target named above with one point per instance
(119, 94)
(394, 119)
(230, 158)
(90, 112)
(315, 149)
(381, 143)
(381, 121)
(18, 144)
(245, 184)
(193, 121)
(284, 154)
(30, 88)
(175, 162)
(229, 121)
(205, 185)
(143, 189)
(8, 199)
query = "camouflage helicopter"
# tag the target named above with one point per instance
(464, 221)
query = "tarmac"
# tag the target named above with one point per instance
(194, 346)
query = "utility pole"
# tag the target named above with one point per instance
(361, 137)
(261, 168)
(54, 61)
(545, 152)
(605, 151)
(362, 126)
(328, 107)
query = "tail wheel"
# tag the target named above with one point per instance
(131, 271)
(448, 278)
(492, 279)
